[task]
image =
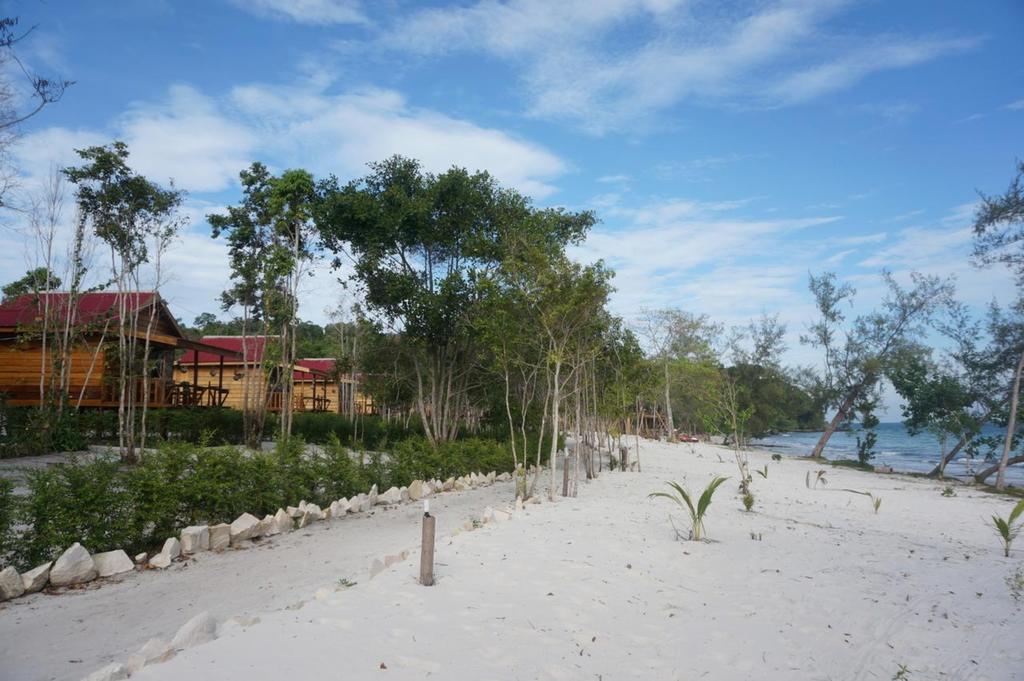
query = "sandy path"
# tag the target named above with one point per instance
(66, 636)
(598, 588)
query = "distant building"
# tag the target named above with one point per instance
(253, 373)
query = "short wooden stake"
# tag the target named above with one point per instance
(427, 549)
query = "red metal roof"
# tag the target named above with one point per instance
(321, 364)
(91, 307)
(254, 348)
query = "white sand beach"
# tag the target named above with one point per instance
(810, 585)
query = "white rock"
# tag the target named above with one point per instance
(343, 506)
(371, 498)
(200, 629)
(220, 537)
(315, 511)
(519, 503)
(172, 547)
(491, 477)
(460, 485)
(11, 585)
(504, 477)
(376, 567)
(302, 505)
(306, 520)
(284, 521)
(112, 563)
(35, 579)
(140, 558)
(392, 496)
(404, 494)
(73, 567)
(161, 560)
(268, 526)
(333, 510)
(115, 671)
(195, 538)
(243, 528)
(294, 512)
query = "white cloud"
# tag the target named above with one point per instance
(307, 11)
(776, 53)
(341, 133)
(1016, 106)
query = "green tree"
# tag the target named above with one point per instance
(39, 280)
(857, 356)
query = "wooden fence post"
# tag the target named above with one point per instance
(427, 547)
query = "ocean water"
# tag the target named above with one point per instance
(895, 447)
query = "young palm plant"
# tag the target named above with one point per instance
(682, 497)
(1008, 528)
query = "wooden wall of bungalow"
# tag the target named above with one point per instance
(315, 390)
(93, 363)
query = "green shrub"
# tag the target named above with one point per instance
(76, 502)
(106, 505)
(8, 512)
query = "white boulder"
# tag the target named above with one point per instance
(140, 558)
(448, 485)
(172, 547)
(243, 528)
(195, 538)
(268, 526)
(504, 477)
(35, 579)
(284, 521)
(112, 563)
(154, 651)
(404, 493)
(294, 511)
(220, 537)
(11, 584)
(200, 629)
(73, 567)
(392, 496)
(161, 560)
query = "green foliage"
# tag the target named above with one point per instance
(35, 281)
(762, 472)
(8, 514)
(31, 431)
(106, 505)
(1008, 528)
(748, 501)
(853, 463)
(682, 497)
(948, 491)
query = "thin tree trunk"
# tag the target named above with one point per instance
(1011, 425)
(554, 428)
(841, 413)
(987, 473)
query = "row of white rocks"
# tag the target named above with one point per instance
(77, 566)
(203, 627)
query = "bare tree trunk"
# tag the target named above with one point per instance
(840, 416)
(670, 424)
(987, 473)
(1011, 425)
(555, 399)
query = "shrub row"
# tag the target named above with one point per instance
(29, 431)
(106, 505)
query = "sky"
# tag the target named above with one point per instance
(729, 149)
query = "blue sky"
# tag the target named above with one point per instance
(728, 148)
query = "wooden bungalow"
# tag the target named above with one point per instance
(92, 366)
(252, 371)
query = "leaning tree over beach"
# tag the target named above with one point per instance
(999, 238)
(858, 354)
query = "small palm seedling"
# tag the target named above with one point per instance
(819, 476)
(948, 491)
(682, 497)
(1008, 528)
(748, 501)
(875, 501)
(762, 472)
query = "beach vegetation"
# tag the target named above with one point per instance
(1008, 528)
(748, 501)
(681, 496)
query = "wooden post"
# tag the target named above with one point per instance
(565, 473)
(427, 547)
(195, 378)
